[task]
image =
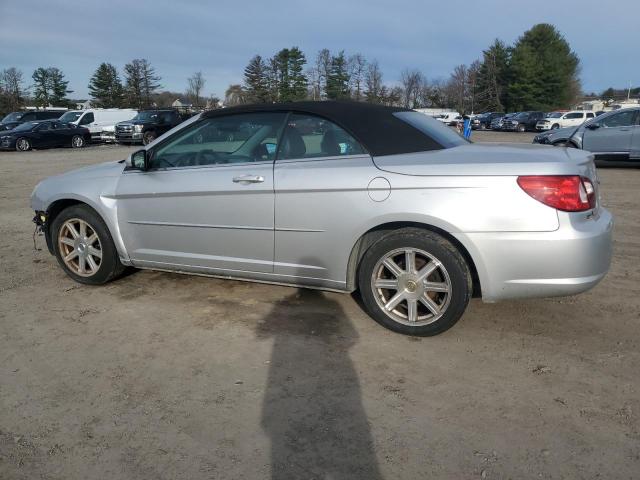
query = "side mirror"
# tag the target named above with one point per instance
(593, 126)
(138, 160)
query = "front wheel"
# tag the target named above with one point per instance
(77, 141)
(414, 282)
(148, 137)
(521, 128)
(83, 246)
(555, 126)
(23, 145)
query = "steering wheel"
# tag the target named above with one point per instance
(207, 157)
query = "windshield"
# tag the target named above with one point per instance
(442, 134)
(70, 117)
(521, 115)
(145, 116)
(554, 115)
(13, 117)
(25, 126)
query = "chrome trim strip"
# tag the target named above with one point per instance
(231, 227)
(197, 225)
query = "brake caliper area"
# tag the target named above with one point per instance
(40, 219)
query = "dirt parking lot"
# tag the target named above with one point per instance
(164, 376)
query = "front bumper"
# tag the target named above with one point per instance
(133, 137)
(567, 261)
(543, 127)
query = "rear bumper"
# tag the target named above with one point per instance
(564, 262)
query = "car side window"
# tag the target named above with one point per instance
(230, 139)
(621, 119)
(87, 119)
(43, 127)
(308, 136)
(590, 115)
(572, 116)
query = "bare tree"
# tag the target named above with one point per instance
(356, 66)
(457, 88)
(373, 82)
(11, 87)
(235, 95)
(323, 70)
(196, 85)
(411, 81)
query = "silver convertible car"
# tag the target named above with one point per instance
(338, 196)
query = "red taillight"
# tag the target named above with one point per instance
(570, 193)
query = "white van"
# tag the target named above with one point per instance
(447, 117)
(99, 121)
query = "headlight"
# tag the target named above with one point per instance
(138, 128)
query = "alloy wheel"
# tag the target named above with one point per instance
(77, 141)
(23, 144)
(411, 286)
(80, 247)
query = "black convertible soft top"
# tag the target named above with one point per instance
(374, 126)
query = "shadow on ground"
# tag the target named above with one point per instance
(312, 409)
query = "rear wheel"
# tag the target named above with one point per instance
(83, 246)
(23, 145)
(414, 282)
(77, 141)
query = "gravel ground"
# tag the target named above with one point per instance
(165, 376)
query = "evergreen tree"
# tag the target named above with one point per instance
(493, 78)
(105, 87)
(297, 79)
(50, 87)
(543, 71)
(338, 78)
(256, 80)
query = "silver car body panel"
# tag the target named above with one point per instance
(300, 225)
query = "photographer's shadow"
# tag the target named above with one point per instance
(312, 409)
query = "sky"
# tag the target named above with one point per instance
(219, 37)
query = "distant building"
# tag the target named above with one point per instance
(181, 103)
(83, 104)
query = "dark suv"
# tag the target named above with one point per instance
(523, 121)
(147, 126)
(483, 121)
(14, 119)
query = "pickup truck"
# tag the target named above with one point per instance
(147, 126)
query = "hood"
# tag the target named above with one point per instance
(494, 159)
(107, 169)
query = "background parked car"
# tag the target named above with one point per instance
(498, 123)
(556, 120)
(48, 133)
(16, 118)
(523, 121)
(613, 136)
(484, 120)
(99, 120)
(146, 126)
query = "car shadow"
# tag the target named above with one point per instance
(312, 409)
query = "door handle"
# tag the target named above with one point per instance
(247, 179)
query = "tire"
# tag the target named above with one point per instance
(522, 128)
(148, 137)
(562, 143)
(378, 284)
(23, 145)
(77, 141)
(107, 265)
(555, 126)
